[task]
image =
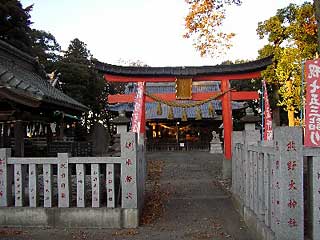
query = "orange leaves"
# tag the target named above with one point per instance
(203, 24)
(310, 27)
(155, 194)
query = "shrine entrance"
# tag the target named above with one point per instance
(184, 77)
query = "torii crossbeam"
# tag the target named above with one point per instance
(222, 73)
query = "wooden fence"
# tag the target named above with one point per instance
(64, 182)
(277, 184)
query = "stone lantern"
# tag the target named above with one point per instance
(252, 136)
(122, 123)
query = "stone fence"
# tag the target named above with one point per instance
(276, 185)
(55, 191)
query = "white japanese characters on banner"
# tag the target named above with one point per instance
(137, 113)
(268, 132)
(312, 118)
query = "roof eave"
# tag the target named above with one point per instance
(253, 66)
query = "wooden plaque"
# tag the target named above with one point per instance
(184, 88)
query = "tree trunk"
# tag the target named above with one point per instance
(316, 4)
(290, 109)
(276, 109)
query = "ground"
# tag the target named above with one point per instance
(186, 199)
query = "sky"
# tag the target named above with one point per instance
(150, 31)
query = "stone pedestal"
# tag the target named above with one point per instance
(215, 147)
(215, 144)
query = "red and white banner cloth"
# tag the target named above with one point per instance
(268, 131)
(312, 117)
(137, 116)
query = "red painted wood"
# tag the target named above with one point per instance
(226, 98)
(227, 77)
(143, 113)
(116, 78)
(235, 96)
(222, 77)
(227, 119)
(244, 95)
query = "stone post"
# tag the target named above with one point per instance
(63, 180)
(110, 186)
(289, 159)
(315, 195)
(5, 178)
(236, 162)
(47, 185)
(81, 185)
(95, 183)
(129, 170)
(19, 184)
(33, 186)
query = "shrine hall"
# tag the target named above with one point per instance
(205, 89)
(186, 128)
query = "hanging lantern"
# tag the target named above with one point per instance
(211, 109)
(159, 109)
(198, 113)
(184, 116)
(170, 113)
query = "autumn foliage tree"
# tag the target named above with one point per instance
(203, 25)
(292, 38)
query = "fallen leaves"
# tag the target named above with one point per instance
(125, 232)
(81, 235)
(155, 195)
(155, 168)
(5, 232)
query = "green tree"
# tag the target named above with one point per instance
(81, 81)
(292, 38)
(46, 49)
(15, 24)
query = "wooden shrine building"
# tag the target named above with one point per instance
(184, 79)
(28, 102)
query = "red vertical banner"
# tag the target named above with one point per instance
(312, 117)
(268, 132)
(138, 116)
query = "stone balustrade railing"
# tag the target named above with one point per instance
(277, 184)
(64, 182)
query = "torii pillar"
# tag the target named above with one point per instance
(222, 73)
(227, 127)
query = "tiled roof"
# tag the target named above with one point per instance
(169, 87)
(252, 66)
(21, 80)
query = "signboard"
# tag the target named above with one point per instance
(138, 109)
(312, 117)
(184, 88)
(268, 132)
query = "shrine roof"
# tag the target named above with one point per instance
(182, 71)
(20, 81)
(170, 87)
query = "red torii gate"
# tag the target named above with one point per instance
(222, 73)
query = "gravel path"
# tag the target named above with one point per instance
(193, 205)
